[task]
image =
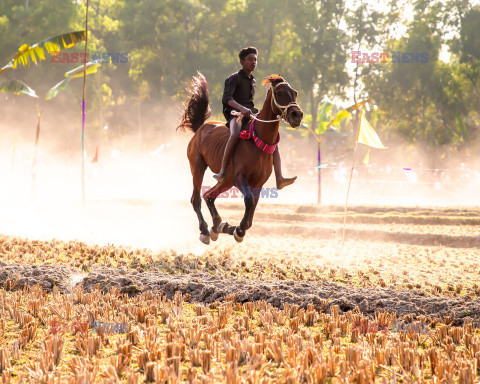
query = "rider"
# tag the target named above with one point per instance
(238, 95)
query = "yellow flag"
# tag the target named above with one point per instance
(367, 135)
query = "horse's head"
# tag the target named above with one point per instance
(284, 100)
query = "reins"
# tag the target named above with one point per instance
(254, 117)
(283, 109)
(251, 134)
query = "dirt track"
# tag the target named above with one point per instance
(207, 288)
(410, 268)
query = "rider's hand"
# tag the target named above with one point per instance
(246, 112)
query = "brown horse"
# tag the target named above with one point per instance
(249, 167)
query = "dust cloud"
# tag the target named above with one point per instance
(403, 175)
(138, 193)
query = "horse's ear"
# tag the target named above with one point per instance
(273, 79)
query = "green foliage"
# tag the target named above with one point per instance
(17, 87)
(309, 42)
(434, 102)
(37, 51)
(74, 73)
(324, 116)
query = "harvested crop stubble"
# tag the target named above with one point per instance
(174, 341)
(398, 302)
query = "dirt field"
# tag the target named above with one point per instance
(413, 266)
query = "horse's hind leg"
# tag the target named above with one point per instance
(210, 197)
(198, 167)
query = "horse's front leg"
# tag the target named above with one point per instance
(250, 221)
(250, 204)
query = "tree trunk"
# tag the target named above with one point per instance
(475, 86)
(268, 50)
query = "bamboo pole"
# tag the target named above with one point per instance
(351, 175)
(319, 159)
(317, 137)
(14, 148)
(100, 102)
(140, 129)
(319, 179)
(83, 105)
(35, 152)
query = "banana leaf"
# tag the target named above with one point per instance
(39, 50)
(17, 87)
(78, 72)
(346, 112)
(324, 110)
(323, 116)
(74, 73)
(53, 92)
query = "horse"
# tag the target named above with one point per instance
(250, 165)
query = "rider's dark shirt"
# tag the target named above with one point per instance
(241, 88)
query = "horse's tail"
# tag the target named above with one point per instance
(196, 109)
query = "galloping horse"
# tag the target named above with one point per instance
(251, 164)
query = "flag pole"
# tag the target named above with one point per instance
(319, 160)
(350, 179)
(83, 105)
(35, 153)
(14, 147)
(319, 179)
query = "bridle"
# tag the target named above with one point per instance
(282, 108)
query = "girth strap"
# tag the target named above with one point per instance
(251, 134)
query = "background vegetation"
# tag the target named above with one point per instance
(307, 41)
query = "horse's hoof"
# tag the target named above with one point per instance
(237, 237)
(213, 235)
(221, 226)
(205, 239)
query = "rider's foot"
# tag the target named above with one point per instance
(219, 176)
(283, 182)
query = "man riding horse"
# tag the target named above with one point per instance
(249, 166)
(238, 95)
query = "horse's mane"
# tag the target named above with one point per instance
(273, 79)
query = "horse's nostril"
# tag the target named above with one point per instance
(294, 114)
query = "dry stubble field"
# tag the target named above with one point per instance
(397, 302)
